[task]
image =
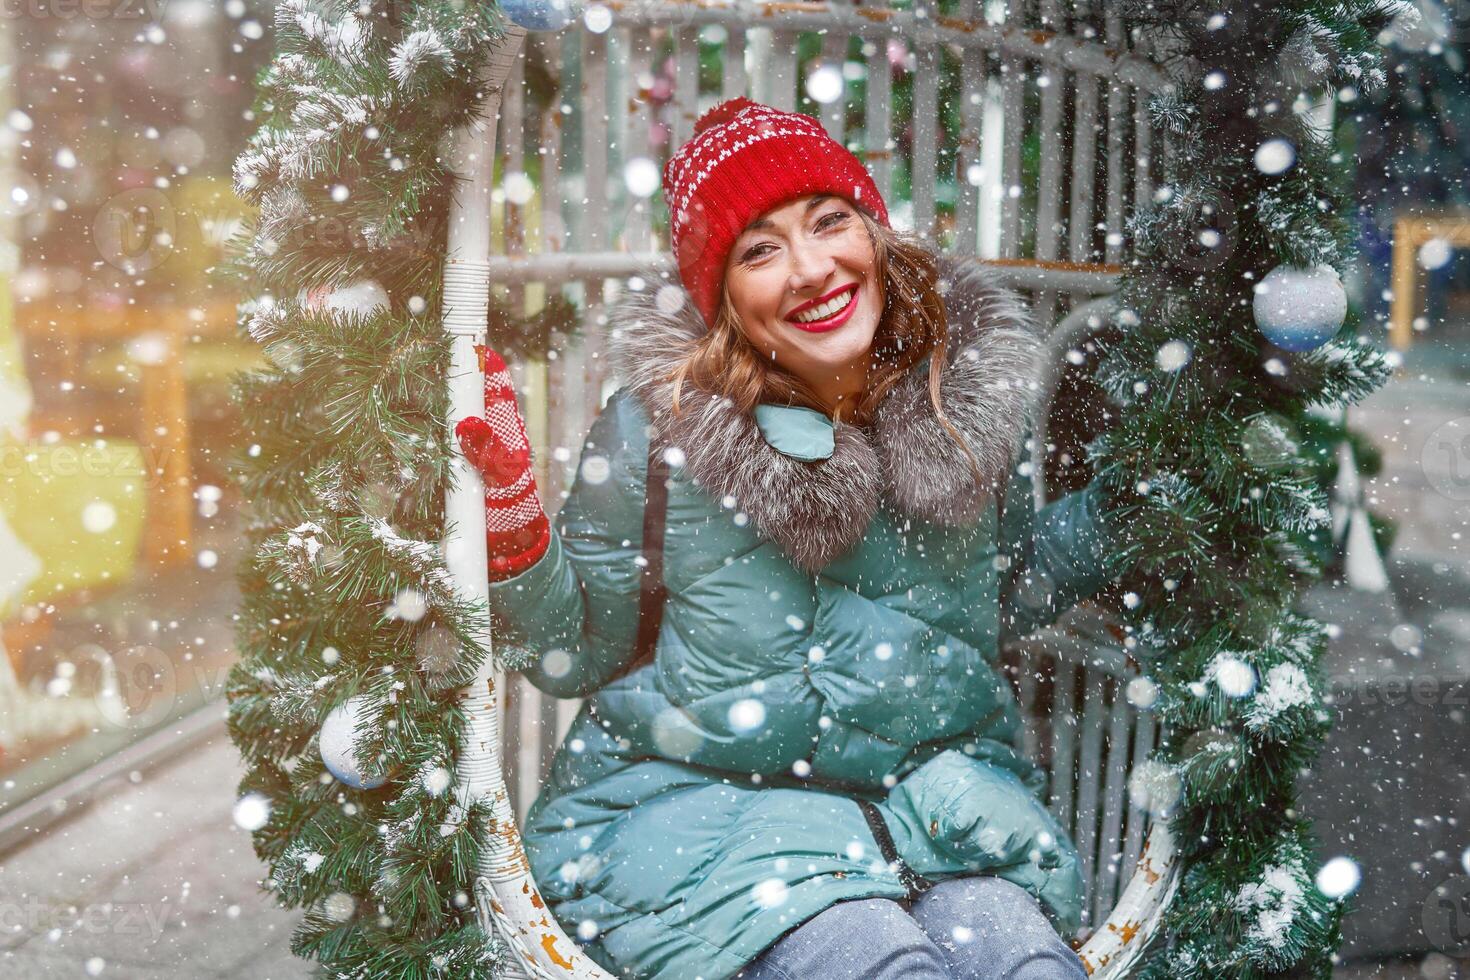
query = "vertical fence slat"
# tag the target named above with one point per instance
(1013, 89)
(783, 70)
(512, 141)
(1084, 168)
(834, 53)
(1144, 733)
(922, 164)
(1089, 766)
(1116, 143)
(993, 152)
(550, 193)
(591, 216)
(1064, 745)
(972, 113)
(877, 123)
(1142, 150)
(1053, 138)
(1029, 667)
(686, 85)
(734, 81)
(1115, 782)
(638, 232)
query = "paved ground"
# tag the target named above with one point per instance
(155, 881)
(1434, 967)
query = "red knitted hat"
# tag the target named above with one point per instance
(744, 159)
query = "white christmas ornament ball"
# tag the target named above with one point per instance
(336, 742)
(362, 298)
(541, 15)
(1300, 309)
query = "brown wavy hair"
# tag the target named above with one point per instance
(911, 326)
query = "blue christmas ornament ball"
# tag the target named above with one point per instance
(336, 741)
(541, 15)
(1300, 309)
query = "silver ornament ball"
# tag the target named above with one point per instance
(358, 299)
(337, 740)
(1300, 309)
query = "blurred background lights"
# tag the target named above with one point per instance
(99, 516)
(519, 188)
(598, 18)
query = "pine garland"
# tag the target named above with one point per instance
(1223, 507)
(347, 594)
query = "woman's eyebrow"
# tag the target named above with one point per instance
(811, 205)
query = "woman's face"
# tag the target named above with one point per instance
(810, 254)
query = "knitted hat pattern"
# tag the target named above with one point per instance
(744, 159)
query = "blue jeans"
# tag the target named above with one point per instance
(978, 927)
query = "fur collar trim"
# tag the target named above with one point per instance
(814, 510)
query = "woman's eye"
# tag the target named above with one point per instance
(828, 221)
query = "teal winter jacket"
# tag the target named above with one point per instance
(836, 597)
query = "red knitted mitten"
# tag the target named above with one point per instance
(517, 532)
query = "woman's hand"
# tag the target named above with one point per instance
(517, 532)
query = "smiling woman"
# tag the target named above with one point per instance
(803, 284)
(768, 238)
(824, 306)
(820, 732)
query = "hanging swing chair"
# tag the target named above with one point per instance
(1090, 121)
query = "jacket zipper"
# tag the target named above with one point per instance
(915, 883)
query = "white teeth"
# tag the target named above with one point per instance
(826, 309)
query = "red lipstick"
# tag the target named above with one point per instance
(833, 322)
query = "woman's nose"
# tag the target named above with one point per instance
(811, 265)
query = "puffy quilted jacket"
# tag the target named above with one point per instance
(836, 595)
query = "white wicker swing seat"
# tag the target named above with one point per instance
(1092, 112)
